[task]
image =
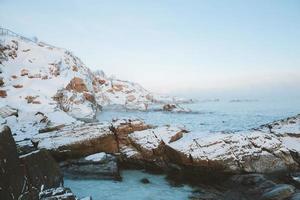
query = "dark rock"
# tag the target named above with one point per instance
(169, 107)
(11, 177)
(103, 167)
(145, 180)
(25, 149)
(41, 169)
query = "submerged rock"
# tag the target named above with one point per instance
(145, 181)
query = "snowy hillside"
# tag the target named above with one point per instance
(48, 86)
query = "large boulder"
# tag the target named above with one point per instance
(41, 169)
(11, 174)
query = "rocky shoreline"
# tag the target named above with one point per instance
(100, 150)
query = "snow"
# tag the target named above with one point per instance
(292, 143)
(151, 138)
(96, 157)
(71, 135)
(31, 153)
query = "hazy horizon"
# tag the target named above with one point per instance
(205, 48)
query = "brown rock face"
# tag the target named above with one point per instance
(11, 177)
(30, 99)
(176, 137)
(117, 87)
(94, 138)
(74, 68)
(101, 81)
(131, 98)
(3, 93)
(169, 107)
(24, 72)
(105, 143)
(90, 97)
(77, 84)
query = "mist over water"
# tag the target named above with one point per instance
(212, 115)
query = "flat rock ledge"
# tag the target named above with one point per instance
(270, 148)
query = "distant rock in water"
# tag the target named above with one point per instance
(145, 181)
(242, 100)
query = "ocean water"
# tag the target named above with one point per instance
(223, 115)
(130, 188)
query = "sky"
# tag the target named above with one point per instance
(174, 46)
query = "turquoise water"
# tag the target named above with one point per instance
(130, 188)
(216, 116)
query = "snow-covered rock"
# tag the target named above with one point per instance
(89, 138)
(251, 151)
(256, 150)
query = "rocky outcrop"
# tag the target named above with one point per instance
(11, 174)
(77, 141)
(256, 150)
(77, 84)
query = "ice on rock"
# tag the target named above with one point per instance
(96, 157)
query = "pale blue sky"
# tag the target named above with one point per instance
(173, 45)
